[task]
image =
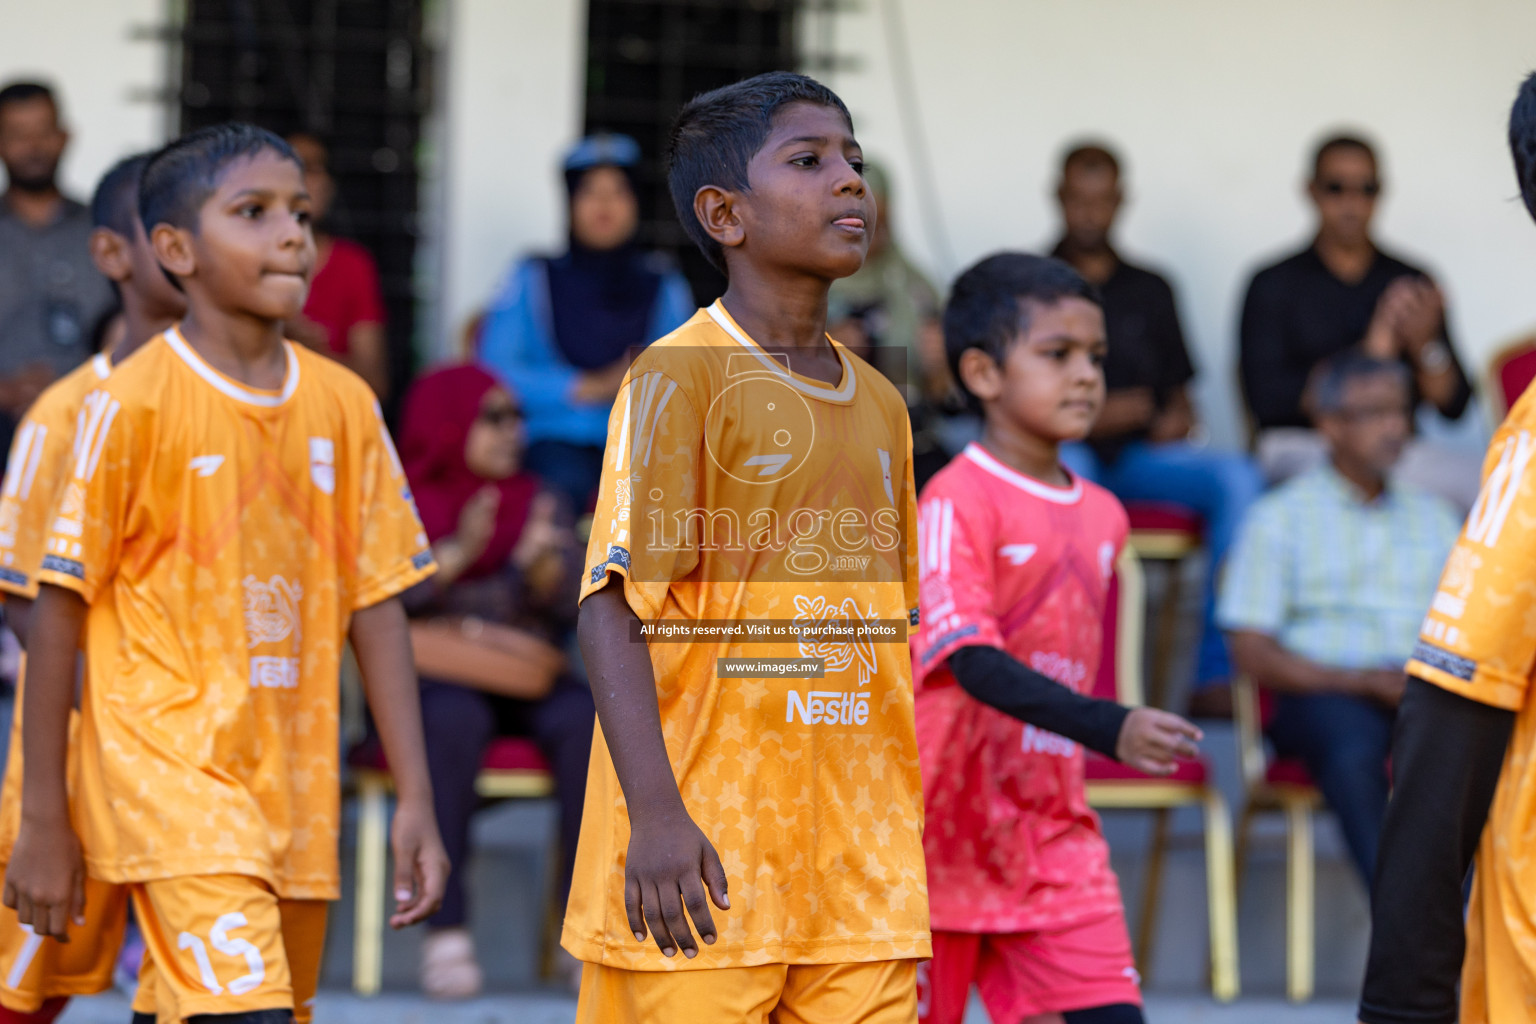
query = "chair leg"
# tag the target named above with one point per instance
(1221, 897)
(368, 922)
(1151, 887)
(1167, 634)
(1300, 908)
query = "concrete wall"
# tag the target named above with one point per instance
(103, 75)
(1216, 106)
(513, 102)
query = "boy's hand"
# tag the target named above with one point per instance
(421, 864)
(662, 876)
(45, 883)
(1151, 741)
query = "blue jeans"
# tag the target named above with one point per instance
(1344, 742)
(1216, 486)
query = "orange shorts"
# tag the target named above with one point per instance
(34, 969)
(880, 992)
(220, 944)
(1023, 974)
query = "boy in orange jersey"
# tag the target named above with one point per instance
(745, 615)
(235, 509)
(36, 977)
(1464, 774)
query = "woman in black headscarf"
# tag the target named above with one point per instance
(561, 330)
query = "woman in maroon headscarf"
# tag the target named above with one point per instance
(507, 558)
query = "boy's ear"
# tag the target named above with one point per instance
(981, 375)
(173, 249)
(715, 208)
(111, 253)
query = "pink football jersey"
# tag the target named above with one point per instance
(1008, 561)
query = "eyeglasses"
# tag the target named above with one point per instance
(1370, 189)
(501, 416)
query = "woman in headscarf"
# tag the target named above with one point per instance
(560, 330)
(507, 558)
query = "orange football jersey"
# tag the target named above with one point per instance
(38, 465)
(738, 497)
(1479, 641)
(223, 537)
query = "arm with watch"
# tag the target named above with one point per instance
(1409, 324)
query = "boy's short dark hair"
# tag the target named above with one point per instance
(180, 178)
(1335, 143)
(988, 305)
(1330, 379)
(115, 203)
(1522, 141)
(716, 134)
(1090, 156)
(21, 92)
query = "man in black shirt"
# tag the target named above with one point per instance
(1339, 292)
(1140, 447)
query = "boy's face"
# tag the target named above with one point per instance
(807, 208)
(1051, 381)
(254, 250)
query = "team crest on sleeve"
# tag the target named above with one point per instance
(322, 464)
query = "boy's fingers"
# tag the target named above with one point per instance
(677, 922)
(714, 877)
(698, 909)
(23, 908)
(632, 906)
(9, 897)
(651, 903)
(58, 922)
(405, 878)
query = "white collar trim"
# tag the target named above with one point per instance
(1060, 495)
(843, 393)
(228, 387)
(101, 365)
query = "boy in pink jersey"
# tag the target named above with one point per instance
(1015, 559)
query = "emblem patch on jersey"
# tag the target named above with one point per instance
(271, 610)
(322, 464)
(206, 465)
(837, 654)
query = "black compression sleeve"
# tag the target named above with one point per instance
(998, 680)
(1447, 754)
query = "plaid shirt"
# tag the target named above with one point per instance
(1336, 579)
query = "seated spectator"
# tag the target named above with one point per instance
(51, 293)
(1140, 449)
(509, 569)
(1342, 291)
(889, 314)
(1326, 587)
(344, 314)
(560, 328)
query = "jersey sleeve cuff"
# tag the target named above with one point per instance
(616, 563)
(68, 573)
(16, 583)
(1481, 687)
(403, 578)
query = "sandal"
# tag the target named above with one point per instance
(449, 969)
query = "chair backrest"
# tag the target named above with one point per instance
(1125, 609)
(1249, 719)
(1510, 372)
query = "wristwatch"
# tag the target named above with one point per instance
(1435, 357)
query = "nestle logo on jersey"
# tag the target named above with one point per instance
(827, 707)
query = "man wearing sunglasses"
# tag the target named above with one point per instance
(1342, 291)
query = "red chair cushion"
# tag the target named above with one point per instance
(514, 754)
(505, 754)
(1098, 768)
(1287, 771)
(1164, 517)
(1515, 374)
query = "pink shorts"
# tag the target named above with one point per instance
(1026, 973)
